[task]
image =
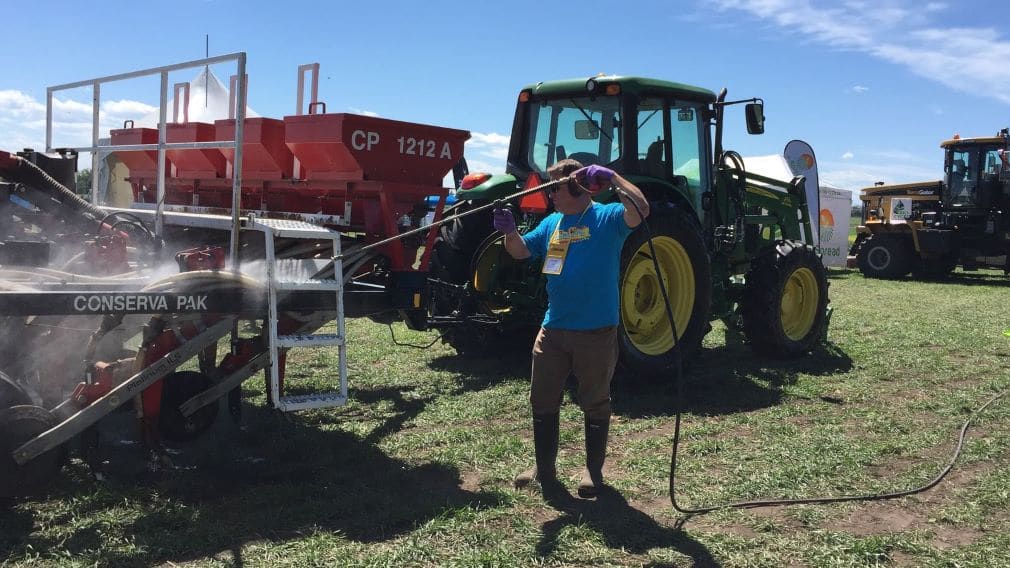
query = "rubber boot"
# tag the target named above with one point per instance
(596, 453)
(545, 447)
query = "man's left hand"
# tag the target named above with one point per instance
(594, 178)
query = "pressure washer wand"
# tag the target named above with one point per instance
(439, 223)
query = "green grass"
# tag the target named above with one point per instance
(416, 469)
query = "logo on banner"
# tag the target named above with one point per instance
(802, 163)
(901, 209)
(827, 225)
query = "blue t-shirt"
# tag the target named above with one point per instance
(585, 295)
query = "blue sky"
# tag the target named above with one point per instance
(873, 86)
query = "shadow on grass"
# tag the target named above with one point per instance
(725, 380)
(621, 526)
(282, 479)
(993, 279)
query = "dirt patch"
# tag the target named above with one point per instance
(665, 431)
(900, 559)
(946, 537)
(654, 507)
(877, 520)
(470, 481)
(889, 518)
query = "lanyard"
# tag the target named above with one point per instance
(557, 249)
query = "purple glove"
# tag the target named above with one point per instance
(594, 178)
(504, 221)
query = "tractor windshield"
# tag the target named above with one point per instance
(581, 128)
(963, 172)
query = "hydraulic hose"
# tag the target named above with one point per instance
(17, 169)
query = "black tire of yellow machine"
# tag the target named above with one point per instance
(178, 388)
(644, 335)
(884, 256)
(18, 424)
(11, 394)
(934, 268)
(785, 300)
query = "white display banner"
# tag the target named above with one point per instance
(833, 219)
(802, 162)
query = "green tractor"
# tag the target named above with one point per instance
(730, 245)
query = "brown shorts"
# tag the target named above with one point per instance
(590, 355)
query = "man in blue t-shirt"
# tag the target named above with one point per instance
(580, 247)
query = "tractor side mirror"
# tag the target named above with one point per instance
(586, 130)
(755, 113)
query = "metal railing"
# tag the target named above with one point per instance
(98, 152)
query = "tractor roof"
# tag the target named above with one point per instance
(972, 141)
(916, 188)
(636, 85)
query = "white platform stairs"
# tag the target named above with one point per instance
(292, 276)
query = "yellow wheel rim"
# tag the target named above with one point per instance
(800, 298)
(488, 270)
(643, 311)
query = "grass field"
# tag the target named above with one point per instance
(416, 470)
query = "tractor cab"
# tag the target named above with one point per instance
(975, 172)
(976, 192)
(653, 131)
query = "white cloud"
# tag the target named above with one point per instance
(848, 156)
(899, 32)
(853, 175)
(489, 150)
(23, 120)
(859, 89)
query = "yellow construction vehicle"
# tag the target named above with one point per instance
(929, 228)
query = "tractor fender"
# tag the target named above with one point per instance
(496, 187)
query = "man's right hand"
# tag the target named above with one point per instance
(504, 221)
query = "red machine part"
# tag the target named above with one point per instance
(102, 381)
(107, 254)
(203, 163)
(201, 258)
(164, 342)
(383, 169)
(265, 156)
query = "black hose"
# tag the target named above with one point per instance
(31, 175)
(679, 380)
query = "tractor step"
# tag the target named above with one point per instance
(288, 228)
(309, 285)
(311, 401)
(309, 340)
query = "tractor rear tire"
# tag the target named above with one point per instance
(887, 257)
(178, 388)
(645, 337)
(785, 301)
(18, 424)
(934, 268)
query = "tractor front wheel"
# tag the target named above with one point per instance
(785, 301)
(456, 250)
(888, 257)
(645, 336)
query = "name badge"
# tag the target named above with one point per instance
(555, 260)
